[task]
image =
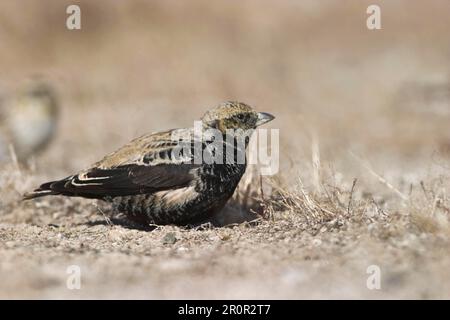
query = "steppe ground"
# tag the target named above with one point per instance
(364, 147)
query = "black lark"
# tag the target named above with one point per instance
(171, 177)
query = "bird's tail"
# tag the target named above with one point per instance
(43, 190)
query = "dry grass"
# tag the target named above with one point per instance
(301, 241)
(364, 148)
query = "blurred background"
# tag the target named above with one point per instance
(140, 66)
(349, 103)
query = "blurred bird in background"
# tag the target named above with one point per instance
(27, 121)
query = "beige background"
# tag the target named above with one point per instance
(141, 66)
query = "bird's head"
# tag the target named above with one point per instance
(232, 115)
(32, 118)
(39, 98)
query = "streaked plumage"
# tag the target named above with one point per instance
(145, 179)
(28, 121)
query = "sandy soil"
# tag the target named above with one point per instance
(350, 104)
(267, 259)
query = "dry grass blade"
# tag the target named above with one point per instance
(380, 178)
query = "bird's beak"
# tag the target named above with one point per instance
(264, 117)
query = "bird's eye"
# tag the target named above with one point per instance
(240, 116)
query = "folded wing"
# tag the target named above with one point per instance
(120, 181)
(145, 165)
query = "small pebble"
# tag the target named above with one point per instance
(169, 238)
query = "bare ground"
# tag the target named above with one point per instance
(350, 104)
(307, 246)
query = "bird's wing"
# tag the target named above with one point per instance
(124, 180)
(145, 165)
(150, 149)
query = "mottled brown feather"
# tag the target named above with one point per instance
(145, 180)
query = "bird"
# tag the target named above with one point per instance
(28, 121)
(177, 177)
